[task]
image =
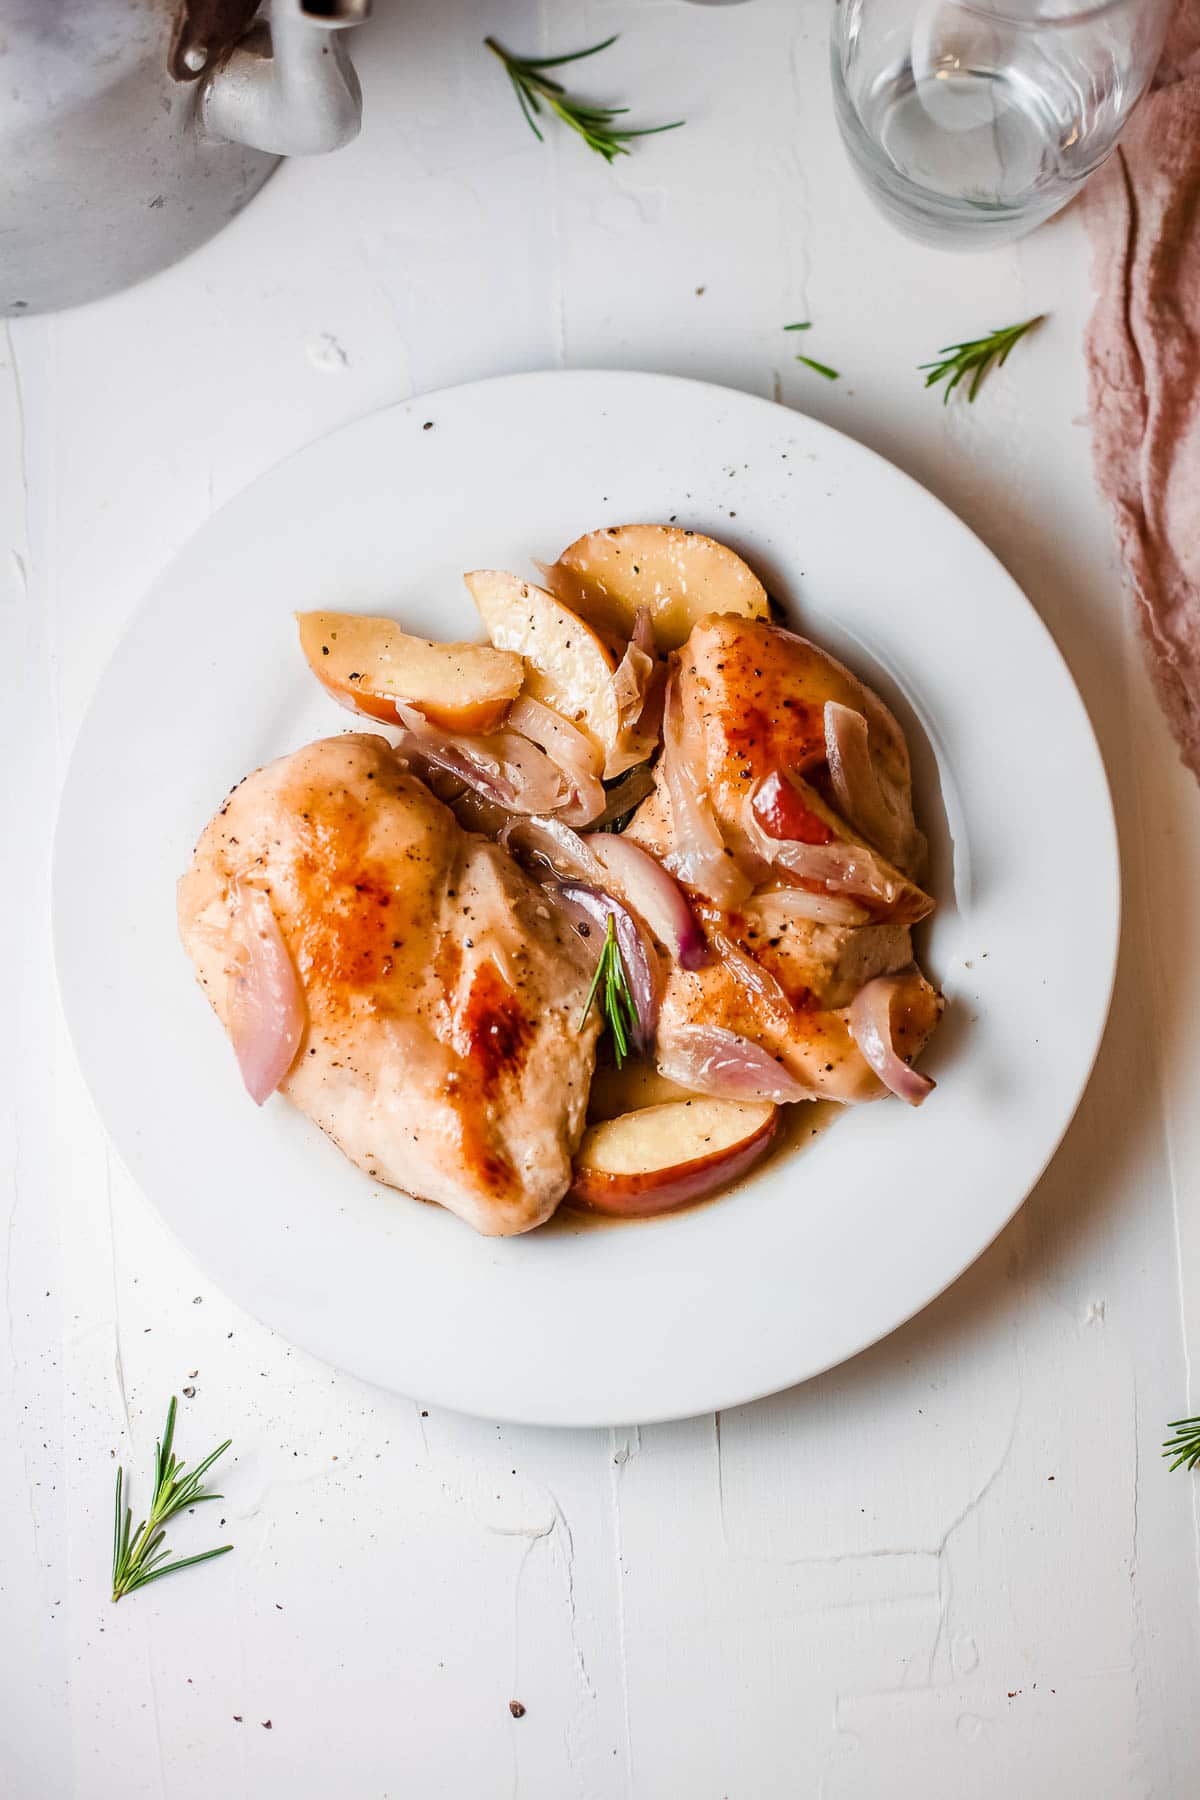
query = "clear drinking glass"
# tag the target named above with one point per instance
(971, 121)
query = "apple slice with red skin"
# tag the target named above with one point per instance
(781, 810)
(789, 810)
(661, 1157)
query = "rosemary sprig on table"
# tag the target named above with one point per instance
(611, 984)
(1184, 1447)
(594, 124)
(975, 357)
(137, 1557)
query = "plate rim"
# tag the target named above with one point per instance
(736, 1395)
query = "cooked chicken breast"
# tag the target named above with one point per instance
(758, 693)
(441, 1050)
(752, 699)
(812, 1041)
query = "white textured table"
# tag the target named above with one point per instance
(954, 1568)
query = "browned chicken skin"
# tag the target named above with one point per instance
(443, 996)
(752, 698)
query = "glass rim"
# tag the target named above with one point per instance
(1079, 15)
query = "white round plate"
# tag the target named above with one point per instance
(826, 1250)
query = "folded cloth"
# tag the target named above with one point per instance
(1143, 356)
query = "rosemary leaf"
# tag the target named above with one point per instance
(1184, 1447)
(138, 1557)
(819, 368)
(595, 124)
(975, 357)
(611, 984)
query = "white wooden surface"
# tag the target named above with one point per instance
(955, 1568)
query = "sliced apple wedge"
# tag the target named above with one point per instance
(568, 667)
(661, 1157)
(368, 664)
(680, 575)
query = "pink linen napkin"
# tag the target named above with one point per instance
(1143, 356)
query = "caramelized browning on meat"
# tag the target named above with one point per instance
(443, 994)
(812, 1041)
(753, 699)
(756, 695)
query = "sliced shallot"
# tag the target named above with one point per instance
(841, 867)
(637, 955)
(853, 869)
(698, 854)
(785, 906)
(634, 686)
(856, 784)
(870, 1024)
(710, 1060)
(548, 837)
(267, 1011)
(505, 768)
(572, 752)
(473, 810)
(631, 677)
(655, 895)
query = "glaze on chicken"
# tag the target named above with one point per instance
(752, 699)
(363, 931)
(442, 994)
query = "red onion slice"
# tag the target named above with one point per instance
(631, 680)
(781, 907)
(841, 868)
(641, 964)
(569, 750)
(870, 1024)
(550, 839)
(473, 810)
(267, 1011)
(633, 684)
(856, 784)
(505, 768)
(698, 853)
(562, 741)
(710, 1060)
(652, 893)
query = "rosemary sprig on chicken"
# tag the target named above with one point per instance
(610, 985)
